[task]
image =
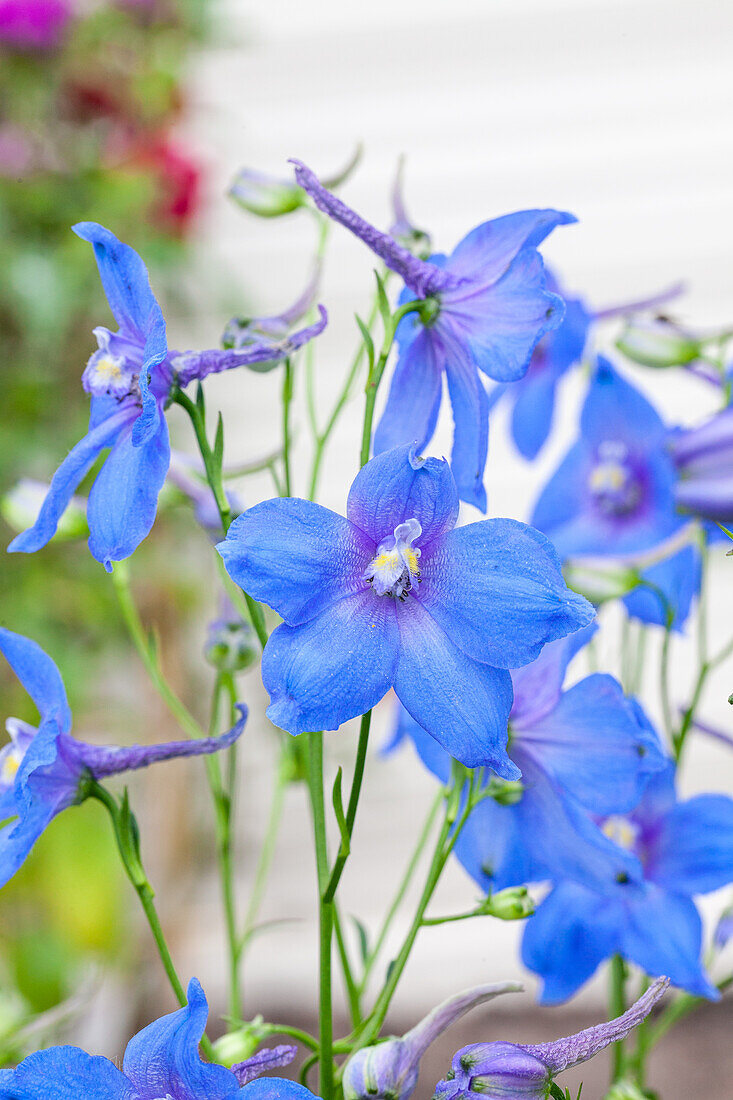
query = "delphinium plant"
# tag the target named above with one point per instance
(567, 788)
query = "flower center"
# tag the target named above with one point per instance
(11, 755)
(621, 831)
(112, 371)
(613, 482)
(395, 566)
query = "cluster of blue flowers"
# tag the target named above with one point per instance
(473, 626)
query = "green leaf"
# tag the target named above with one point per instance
(385, 310)
(338, 808)
(368, 342)
(363, 939)
(219, 443)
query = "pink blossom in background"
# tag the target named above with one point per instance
(34, 24)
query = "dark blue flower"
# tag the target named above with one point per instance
(510, 1071)
(489, 306)
(685, 848)
(578, 750)
(161, 1062)
(45, 770)
(130, 379)
(393, 596)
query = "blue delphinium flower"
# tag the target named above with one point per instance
(487, 306)
(502, 1071)
(685, 848)
(43, 771)
(130, 379)
(161, 1062)
(614, 494)
(578, 750)
(390, 1070)
(703, 457)
(394, 596)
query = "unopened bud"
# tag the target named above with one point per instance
(514, 903)
(266, 196)
(230, 645)
(599, 582)
(507, 792)
(657, 343)
(626, 1090)
(238, 1046)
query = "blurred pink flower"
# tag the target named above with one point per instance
(34, 24)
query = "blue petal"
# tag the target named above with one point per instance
(563, 509)
(593, 746)
(537, 686)
(275, 1088)
(502, 324)
(678, 579)
(413, 404)
(124, 497)
(662, 933)
(486, 252)
(533, 411)
(163, 1059)
(614, 409)
(38, 674)
(125, 281)
(397, 485)
(296, 556)
(568, 937)
(497, 589)
(65, 1073)
(470, 407)
(659, 796)
(333, 667)
(467, 706)
(67, 477)
(434, 756)
(494, 849)
(693, 851)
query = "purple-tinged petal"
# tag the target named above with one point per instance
(537, 686)
(710, 496)
(124, 497)
(414, 397)
(486, 252)
(470, 407)
(497, 590)
(66, 1073)
(706, 443)
(614, 409)
(659, 795)
(71, 471)
(569, 936)
(296, 556)
(662, 933)
(163, 1059)
(424, 279)
(468, 704)
(533, 411)
(196, 365)
(263, 1061)
(398, 485)
(275, 1088)
(592, 745)
(691, 852)
(503, 323)
(38, 674)
(498, 1071)
(449, 1011)
(677, 580)
(562, 1054)
(332, 668)
(104, 760)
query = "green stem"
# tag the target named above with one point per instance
(352, 989)
(617, 1007)
(402, 890)
(375, 375)
(267, 853)
(325, 917)
(356, 783)
(287, 396)
(128, 848)
(664, 683)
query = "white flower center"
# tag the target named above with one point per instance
(395, 566)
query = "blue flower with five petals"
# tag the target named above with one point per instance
(130, 379)
(43, 771)
(395, 596)
(578, 750)
(161, 1062)
(489, 306)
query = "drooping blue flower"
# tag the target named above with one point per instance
(130, 379)
(510, 1071)
(487, 306)
(43, 771)
(685, 849)
(614, 495)
(162, 1062)
(578, 750)
(394, 596)
(390, 1070)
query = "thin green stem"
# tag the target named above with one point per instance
(664, 682)
(617, 1007)
(267, 853)
(325, 917)
(361, 752)
(401, 891)
(287, 397)
(350, 985)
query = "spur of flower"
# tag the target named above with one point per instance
(485, 307)
(45, 770)
(685, 849)
(161, 1062)
(131, 379)
(578, 750)
(394, 595)
(502, 1070)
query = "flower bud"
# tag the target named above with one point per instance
(657, 343)
(514, 903)
(625, 1090)
(600, 582)
(21, 505)
(266, 196)
(230, 645)
(507, 792)
(239, 1045)
(500, 1070)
